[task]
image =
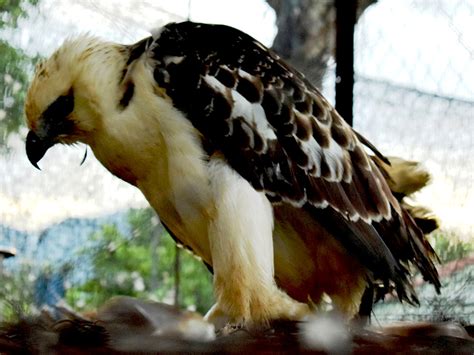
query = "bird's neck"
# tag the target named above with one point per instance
(150, 144)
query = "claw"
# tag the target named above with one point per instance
(84, 158)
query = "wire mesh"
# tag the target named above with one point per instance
(414, 98)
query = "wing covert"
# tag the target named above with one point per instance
(279, 132)
(272, 125)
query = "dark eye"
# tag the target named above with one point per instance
(60, 108)
(55, 117)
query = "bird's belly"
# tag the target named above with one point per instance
(185, 213)
(310, 262)
(172, 175)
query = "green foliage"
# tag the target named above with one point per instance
(13, 83)
(11, 10)
(16, 292)
(14, 65)
(448, 246)
(141, 265)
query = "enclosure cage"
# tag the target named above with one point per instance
(413, 97)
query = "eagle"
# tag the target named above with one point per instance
(245, 163)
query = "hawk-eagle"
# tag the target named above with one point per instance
(244, 161)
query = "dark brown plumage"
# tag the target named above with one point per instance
(293, 145)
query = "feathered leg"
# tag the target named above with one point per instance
(240, 237)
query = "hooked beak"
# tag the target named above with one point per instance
(36, 148)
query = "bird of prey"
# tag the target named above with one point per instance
(244, 161)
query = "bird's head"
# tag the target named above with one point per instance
(69, 94)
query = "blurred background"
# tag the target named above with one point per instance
(78, 235)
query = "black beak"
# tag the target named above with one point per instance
(36, 148)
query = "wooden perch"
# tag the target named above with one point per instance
(125, 325)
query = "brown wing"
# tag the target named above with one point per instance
(280, 134)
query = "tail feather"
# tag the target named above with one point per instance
(404, 178)
(424, 218)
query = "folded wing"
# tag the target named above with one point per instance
(277, 131)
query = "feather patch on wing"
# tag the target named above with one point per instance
(278, 132)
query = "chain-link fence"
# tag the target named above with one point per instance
(414, 98)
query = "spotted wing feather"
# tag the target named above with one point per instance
(280, 134)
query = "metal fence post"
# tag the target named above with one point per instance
(345, 23)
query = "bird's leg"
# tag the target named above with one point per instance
(241, 243)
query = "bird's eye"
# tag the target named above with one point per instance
(62, 107)
(55, 117)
